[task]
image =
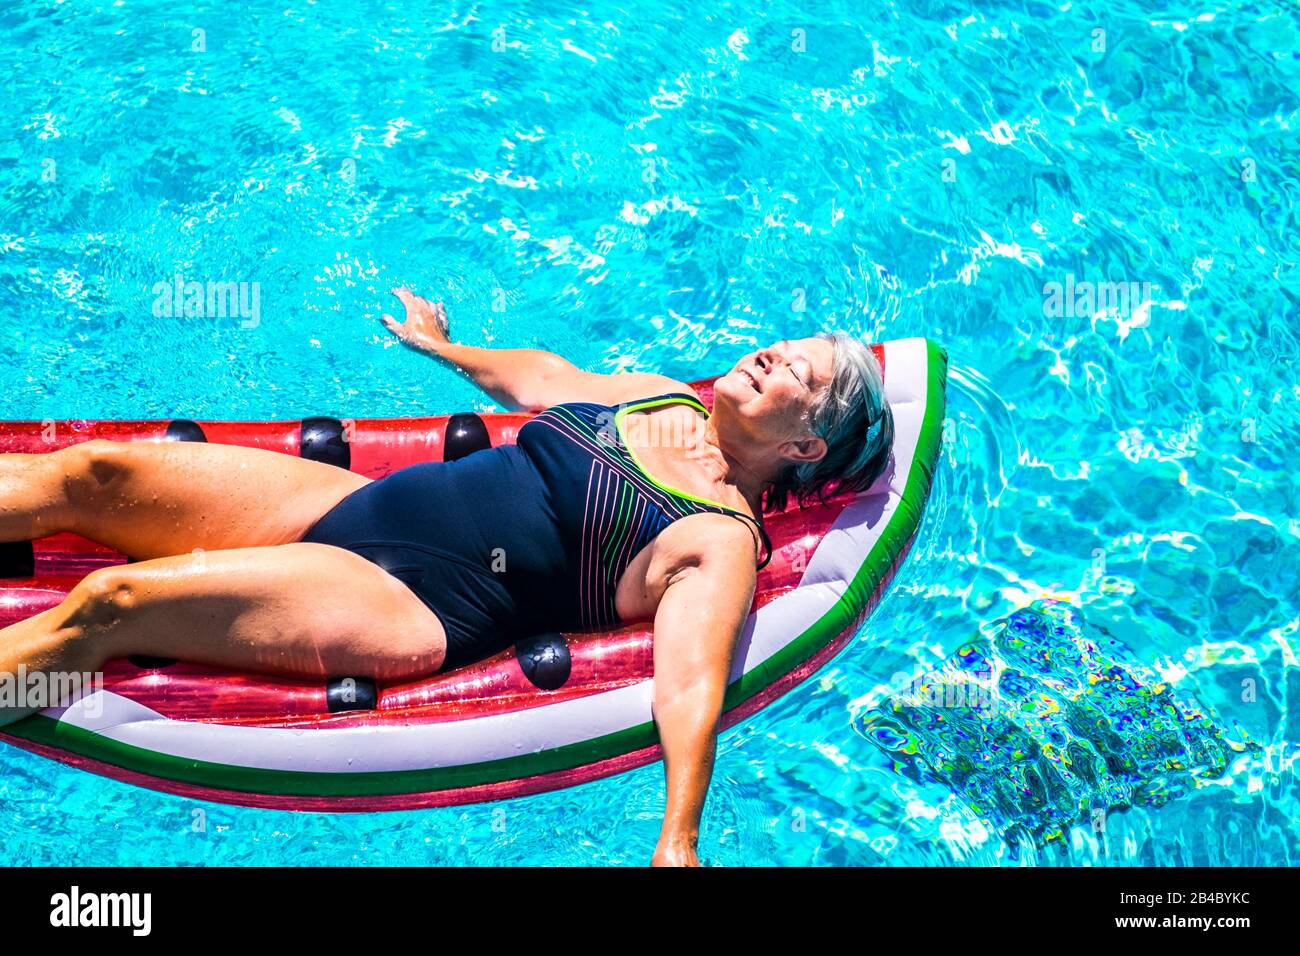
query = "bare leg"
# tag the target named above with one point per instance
(306, 610)
(154, 499)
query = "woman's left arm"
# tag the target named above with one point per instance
(697, 624)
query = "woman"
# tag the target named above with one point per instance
(255, 560)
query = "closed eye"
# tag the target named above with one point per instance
(790, 366)
(796, 376)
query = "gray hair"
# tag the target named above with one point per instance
(853, 418)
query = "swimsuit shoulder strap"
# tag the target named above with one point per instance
(663, 399)
(767, 542)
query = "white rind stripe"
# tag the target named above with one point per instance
(366, 749)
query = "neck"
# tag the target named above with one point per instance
(733, 460)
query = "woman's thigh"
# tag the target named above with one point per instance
(305, 610)
(154, 499)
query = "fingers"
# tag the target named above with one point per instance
(430, 318)
(416, 303)
(409, 301)
(413, 302)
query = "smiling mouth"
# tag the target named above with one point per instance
(752, 381)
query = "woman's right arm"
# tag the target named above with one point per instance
(519, 379)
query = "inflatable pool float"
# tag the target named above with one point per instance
(554, 711)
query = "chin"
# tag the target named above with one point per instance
(734, 387)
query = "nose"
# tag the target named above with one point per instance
(765, 358)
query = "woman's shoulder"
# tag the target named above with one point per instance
(598, 388)
(629, 387)
(709, 537)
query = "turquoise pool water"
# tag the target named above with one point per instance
(639, 189)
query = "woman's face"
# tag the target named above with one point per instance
(773, 388)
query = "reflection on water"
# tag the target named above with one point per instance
(1048, 723)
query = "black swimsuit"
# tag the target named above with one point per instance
(520, 539)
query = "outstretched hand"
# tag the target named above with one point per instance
(426, 322)
(674, 853)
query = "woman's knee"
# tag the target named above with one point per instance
(93, 468)
(91, 613)
(102, 598)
